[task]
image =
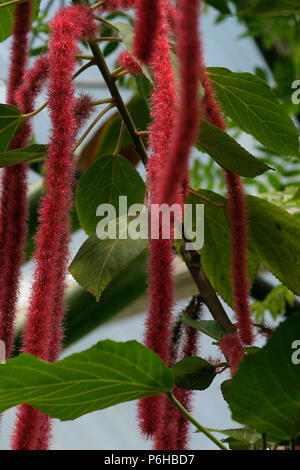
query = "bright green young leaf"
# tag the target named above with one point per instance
(21, 155)
(227, 152)
(265, 391)
(246, 435)
(210, 327)
(276, 235)
(126, 32)
(104, 375)
(99, 261)
(10, 122)
(253, 106)
(193, 373)
(109, 177)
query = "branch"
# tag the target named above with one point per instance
(206, 290)
(118, 101)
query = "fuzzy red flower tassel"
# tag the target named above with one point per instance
(114, 5)
(186, 128)
(238, 220)
(160, 264)
(148, 17)
(232, 349)
(13, 203)
(43, 326)
(127, 61)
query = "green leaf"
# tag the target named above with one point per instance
(227, 152)
(225, 389)
(216, 251)
(84, 313)
(126, 32)
(210, 327)
(252, 105)
(248, 435)
(193, 373)
(220, 5)
(21, 155)
(265, 391)
(99, 261)
(276, 234)
(109, 177)
(7, 18)
(10, 122)
(273, 7)
(104, 375)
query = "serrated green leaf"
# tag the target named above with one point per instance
(265, 391)
(225, 389)
(21, 155)
(216, 251)
(276, 235)
(210, 327)
(109, 177)
(99, 261)
(227, 152)
(104, 375)
(193, 373)
(10, 122)
(253, 106)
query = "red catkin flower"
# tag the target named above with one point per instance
(238, 220)
(148, 17)
(186, 128)
(174, 432)
(13, 203)
(232, 349)
(160, 264)
(127, 61)
(43, 330)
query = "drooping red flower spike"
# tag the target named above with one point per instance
(127, 61)
(160, 263)
(13, 204)
(186, 128)
(232, 349)
(43, 326)
(174, 432)
(238, 220)
(148, 17)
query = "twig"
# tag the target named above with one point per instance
(13, 2)
(108, 38)
(36, 111)
(84, 67)
(85, 134)
(119, 103)
(97, 5)
(107, 23)
(120, 139)
(206, 290)
(212, 203)
(199, 426)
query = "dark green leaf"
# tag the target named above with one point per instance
(109, 177)
(99, 261)
(227, 152)
(265, 391)
(21, 155)
(276, 235)
(10, 122)
(216, 251)
(193, 373)
(252, 105)
(273, 7)
(225, 389)
(104, 375)
(220, 5)
(209, 327)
